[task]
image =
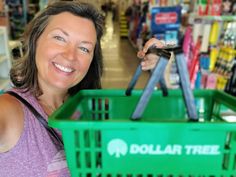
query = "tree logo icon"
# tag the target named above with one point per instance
(117, 147)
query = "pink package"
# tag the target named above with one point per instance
(211, 81)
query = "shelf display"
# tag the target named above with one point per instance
(217, 52)
(207, 36)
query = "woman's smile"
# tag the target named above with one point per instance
(63, 68)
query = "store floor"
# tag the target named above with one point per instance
(120, 61)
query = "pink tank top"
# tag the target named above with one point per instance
(34, 155)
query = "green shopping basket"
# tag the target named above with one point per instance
(100, 139)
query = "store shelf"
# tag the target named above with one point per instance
(123, 26)
(218, 18)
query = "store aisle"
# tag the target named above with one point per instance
(120, 59)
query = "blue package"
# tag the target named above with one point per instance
(198, 80)
(171, 36)
(165, 19)
(204, 61)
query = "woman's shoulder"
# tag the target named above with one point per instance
(10, 104)
(11, 121)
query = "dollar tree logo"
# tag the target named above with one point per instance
(117, 147)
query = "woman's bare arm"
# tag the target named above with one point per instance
(11, 122)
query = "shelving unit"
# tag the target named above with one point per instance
(123, 25)
(17, 17)
(217, 49)
(5, 59)
(193, 17)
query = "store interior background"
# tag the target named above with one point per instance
(204, 28)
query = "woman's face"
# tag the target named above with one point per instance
(65, 51)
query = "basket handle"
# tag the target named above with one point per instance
(157, 76)
(138, 72)
(185, 84)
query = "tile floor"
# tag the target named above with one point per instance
(120, 61)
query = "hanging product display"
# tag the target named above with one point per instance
(165, 23)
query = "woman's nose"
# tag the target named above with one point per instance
(69, 52)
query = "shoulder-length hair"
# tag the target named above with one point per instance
(24, 71)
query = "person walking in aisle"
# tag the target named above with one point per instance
(62, 55)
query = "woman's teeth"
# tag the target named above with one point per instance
(63, 68)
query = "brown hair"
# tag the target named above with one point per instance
(24, 71)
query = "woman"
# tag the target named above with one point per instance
(62, 56)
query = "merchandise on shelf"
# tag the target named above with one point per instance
(209, 7)
(17, 22)
(165, 23)
(217, 51)
(210, 31)
(193, 63)
(215, 7)
(123, 25)
(165, 18)
(134, 17)
(161, 19)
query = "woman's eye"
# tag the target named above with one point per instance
(59, 38)
(84, 49)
